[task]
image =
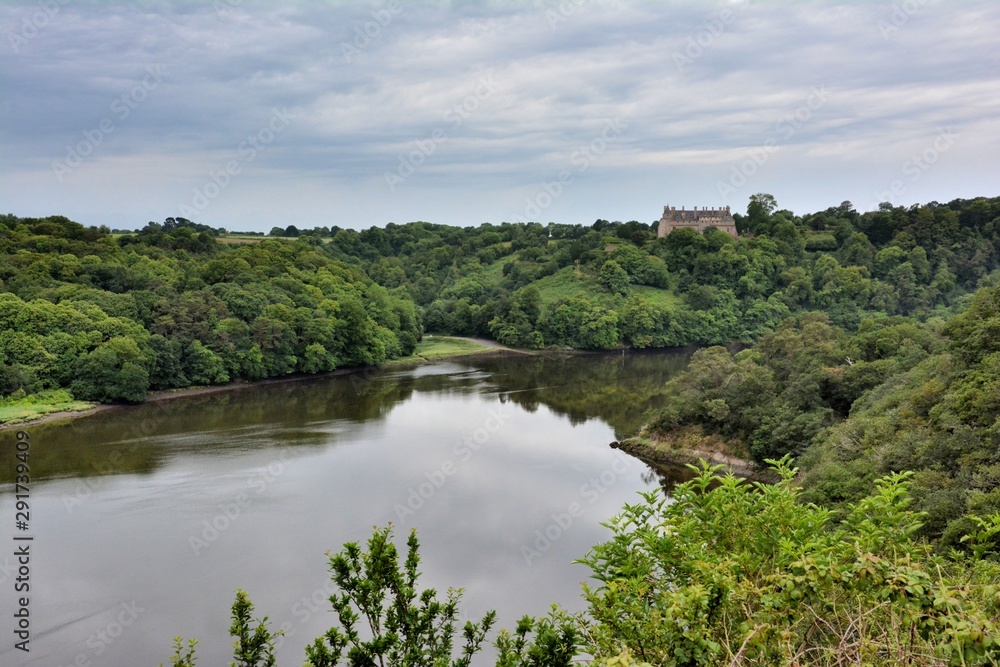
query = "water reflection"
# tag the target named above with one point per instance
(172, 505)
(619, 390)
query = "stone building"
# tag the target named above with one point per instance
(720, 218)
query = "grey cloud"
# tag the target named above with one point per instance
(362, 102)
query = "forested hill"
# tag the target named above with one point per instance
(110, 317)
(610, 284)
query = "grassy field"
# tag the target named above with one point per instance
(661, 297)
(237, 240)
(18, 410)
(437, 347)
(494, 271)
(569, 282)
(565, 283)
(441, 347)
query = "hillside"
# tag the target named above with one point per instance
(111, 316)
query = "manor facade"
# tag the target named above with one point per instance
(720, 218)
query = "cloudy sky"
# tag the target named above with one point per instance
(247, 115)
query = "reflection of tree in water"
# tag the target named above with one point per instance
(667, 476)
(619, 389)
(311, 412)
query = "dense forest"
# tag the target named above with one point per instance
(110, 316)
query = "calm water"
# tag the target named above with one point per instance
(146, 520)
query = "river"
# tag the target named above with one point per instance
(145, 520)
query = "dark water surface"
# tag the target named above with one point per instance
(146, 520)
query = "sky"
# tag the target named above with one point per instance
(248, 115)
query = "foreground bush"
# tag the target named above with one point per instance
(731, 573)
(725, 573)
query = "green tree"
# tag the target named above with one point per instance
(641, 322)
(976, 331)
(759, 211)
(614, 277)
(115, 371)
(254, 646)
(202, 366)
(317, 359)
(857, 250)
(241, 356)
(888, 259)
(577, 322)
(516, 319)
(408, 627)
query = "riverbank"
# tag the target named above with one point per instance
(45, 407)
(691, 448)
(431, 349)
(440, 348)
